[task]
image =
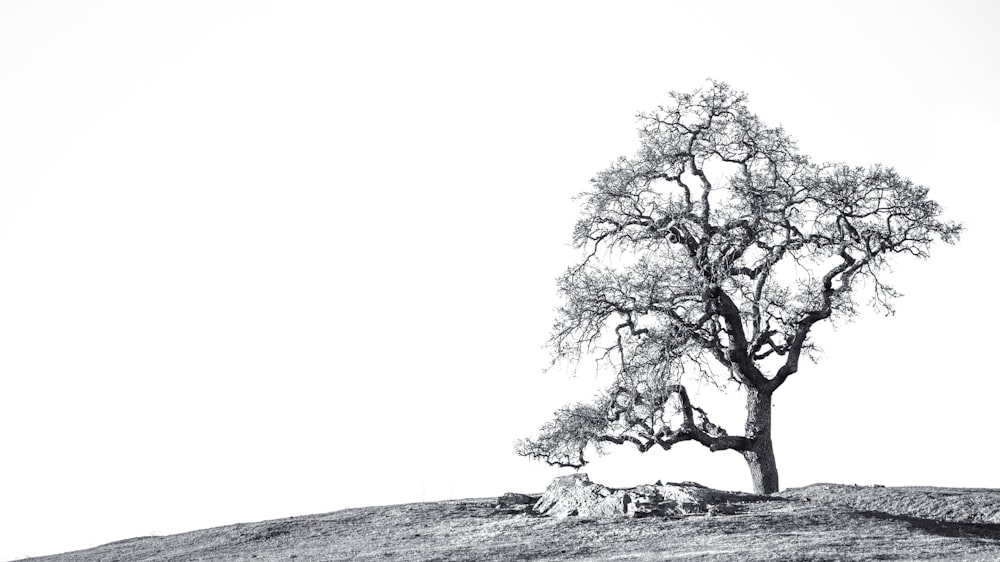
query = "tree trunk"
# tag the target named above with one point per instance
(760, 454)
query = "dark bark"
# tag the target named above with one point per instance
(760, 452)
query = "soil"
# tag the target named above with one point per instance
(818, 522)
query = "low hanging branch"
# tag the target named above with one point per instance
(615, 418)
(695, 425)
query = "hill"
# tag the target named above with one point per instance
(818, 522)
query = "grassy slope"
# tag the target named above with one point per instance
(819, 522)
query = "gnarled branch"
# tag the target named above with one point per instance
(626, 415)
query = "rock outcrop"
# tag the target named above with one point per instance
(575, 495)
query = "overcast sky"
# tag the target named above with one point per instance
(264, 259)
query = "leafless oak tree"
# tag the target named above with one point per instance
(710, 255)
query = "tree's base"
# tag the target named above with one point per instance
(763, 468)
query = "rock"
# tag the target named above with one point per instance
(512, 503)
(576, 495)
(511, 499)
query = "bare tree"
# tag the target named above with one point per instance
(711, 254)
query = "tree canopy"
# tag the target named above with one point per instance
(711, 254)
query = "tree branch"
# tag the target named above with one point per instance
(736, 350)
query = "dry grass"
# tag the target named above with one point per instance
(819, 522)
(957, 505)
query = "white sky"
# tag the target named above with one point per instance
(263, 259)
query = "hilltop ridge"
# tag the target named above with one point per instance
(817, 522)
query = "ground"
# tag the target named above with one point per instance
(818, 522)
